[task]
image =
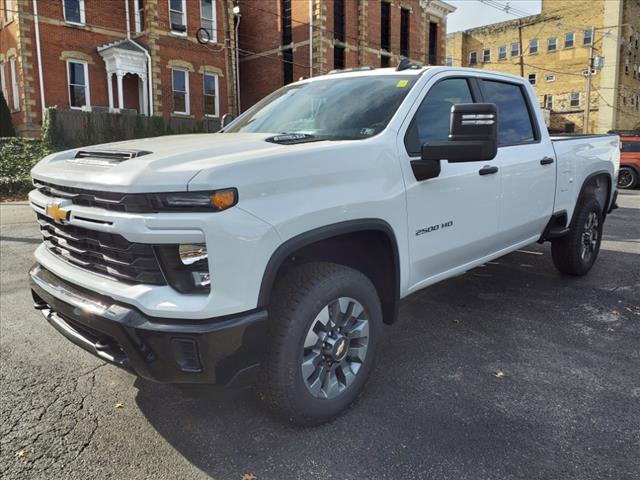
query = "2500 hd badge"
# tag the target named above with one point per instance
(434, 228)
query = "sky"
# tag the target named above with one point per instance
(473, 13)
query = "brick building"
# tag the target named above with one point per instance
(552, 50)
(137, 55)
(283, 40)
(145, 57)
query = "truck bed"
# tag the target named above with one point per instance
(579, 156)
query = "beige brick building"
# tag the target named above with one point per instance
(552, 49)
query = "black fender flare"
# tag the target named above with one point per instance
(322, 233)
(586, 181)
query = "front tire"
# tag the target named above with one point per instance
(627, 178)
(576, 252)
(325, 322)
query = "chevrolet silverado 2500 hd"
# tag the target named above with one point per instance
(277, 247)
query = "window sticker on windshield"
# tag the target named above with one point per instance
(402, 83)
(367, 131)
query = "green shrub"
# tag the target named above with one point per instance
(17, 157)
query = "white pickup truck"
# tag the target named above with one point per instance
(276, 248)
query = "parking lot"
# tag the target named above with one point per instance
(508, 371)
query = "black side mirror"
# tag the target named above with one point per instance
(227, 118)
(473, 135)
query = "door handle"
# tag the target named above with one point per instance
(488, 170)
(546, 161)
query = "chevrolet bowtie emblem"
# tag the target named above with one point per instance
(58, 214)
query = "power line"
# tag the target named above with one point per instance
(271, 56)
(617, 109)
(505, 8)
(554, 71)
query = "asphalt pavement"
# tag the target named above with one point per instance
(509, 371)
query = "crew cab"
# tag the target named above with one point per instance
(271, 253)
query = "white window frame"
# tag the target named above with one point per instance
(3, 83)
(573, 39)
(548, 102)
(82, 15)
(87, 92)
(500, 56)
(571, 95)
(531, 46)
(187, 105)
(518, 49)
(587, 34)
(15, 93)
(473, 54)
(550, 78)
(535, 78)
(184, 19)
(486, 57)
(555, 44)
(214, 22)
(136, 16)
(8, 11)
(216, 113)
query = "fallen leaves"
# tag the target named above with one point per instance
(20, 454)
(119, 405)
(249, 476)
(499, 374)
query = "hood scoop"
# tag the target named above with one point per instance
(106, 156)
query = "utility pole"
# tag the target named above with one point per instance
(587, 108)
(520, 48)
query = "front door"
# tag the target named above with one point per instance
(453, 218)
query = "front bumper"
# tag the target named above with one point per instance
(222, 351)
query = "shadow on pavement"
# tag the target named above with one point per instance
(434, 407)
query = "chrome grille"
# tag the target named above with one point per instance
(102, 252)
(119, 202)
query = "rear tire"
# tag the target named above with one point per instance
(324, 324)
(576, 252)
(627, 178)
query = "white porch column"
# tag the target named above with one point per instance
(145, 96)
(120, 91)
(110, 89)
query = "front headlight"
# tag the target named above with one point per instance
(215, 200)
(186, 267)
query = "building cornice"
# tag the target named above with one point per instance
(437, 7)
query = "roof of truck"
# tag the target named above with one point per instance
(414, 71)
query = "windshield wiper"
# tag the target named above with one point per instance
(292, 138)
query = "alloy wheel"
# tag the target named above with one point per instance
(590, 237)
(335, 348)
(625, 178)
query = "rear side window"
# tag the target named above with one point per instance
(431, 121)
(631, 147)
(514, 120)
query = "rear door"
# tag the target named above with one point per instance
(453, 218)
(526, 160)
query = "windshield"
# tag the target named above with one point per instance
(335, 109)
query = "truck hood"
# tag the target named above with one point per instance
(161, 164)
